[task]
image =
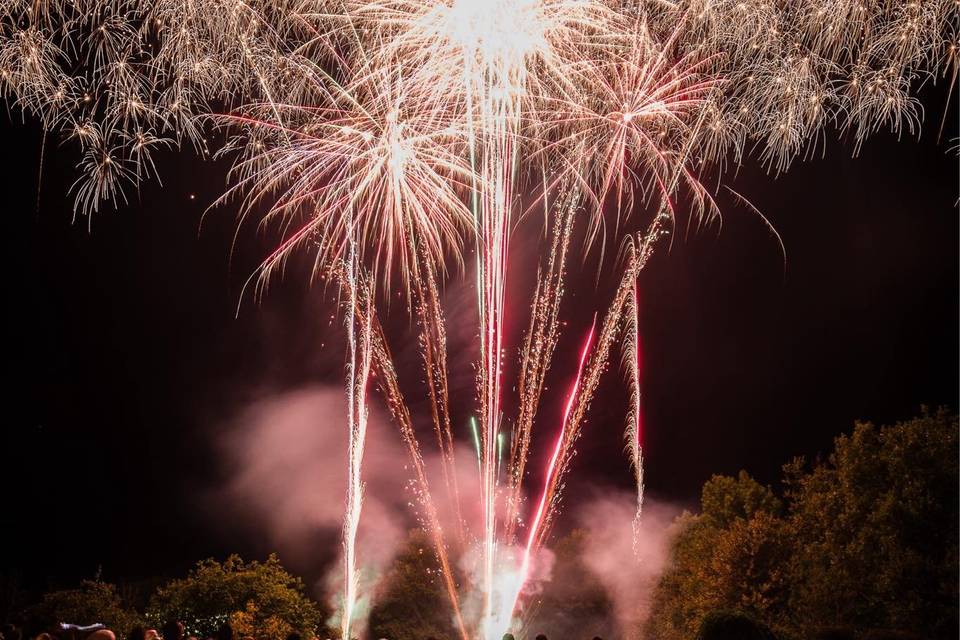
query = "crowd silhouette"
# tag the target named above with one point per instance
(171, 630)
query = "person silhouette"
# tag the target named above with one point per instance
(172, 630)
(102, 634)
(224, 632)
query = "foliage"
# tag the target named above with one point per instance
(868, 541)
(411, 603)
(731, 556)
(725, 500)
(94, 601)
(573, 602)
(258, 599)
(879, 523)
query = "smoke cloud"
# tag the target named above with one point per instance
(285, 482)
(629, 574)
(286, 477)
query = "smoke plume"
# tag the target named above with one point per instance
(285, 458)
(629, 574)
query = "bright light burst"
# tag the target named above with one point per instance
(387, 136)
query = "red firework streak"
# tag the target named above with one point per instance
(552, 467)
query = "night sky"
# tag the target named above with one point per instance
(125, 352)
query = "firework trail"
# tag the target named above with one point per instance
(398, 409)
(433, 342)
(538, 348)
(550, 478)
(634, 434)
(385, 136)
(359, 332)
(382, 362)
(578, 400)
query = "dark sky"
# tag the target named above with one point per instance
(123, 351)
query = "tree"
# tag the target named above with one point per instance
(573, 602)
(94, 601)
(879, 528)
(410, 603)
(868, 542)
(258, 599)
(730, 556)
(725, 500)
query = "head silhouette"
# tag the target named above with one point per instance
(172, 630)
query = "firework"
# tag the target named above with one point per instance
(634, 431)
(553, 468)
(358, 372)
(389, 136)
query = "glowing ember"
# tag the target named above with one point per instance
(387, 136)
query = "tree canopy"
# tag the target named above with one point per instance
(865, 541)
(410, 603)
(573, 603)
(94, 601)
(259, 599)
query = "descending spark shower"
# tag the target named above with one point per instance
(386, 137)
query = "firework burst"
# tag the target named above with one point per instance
(388, 137)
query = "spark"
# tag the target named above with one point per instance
(552, 467)
(476, 442)
(387, 138)
(634, 433)
(358, 373)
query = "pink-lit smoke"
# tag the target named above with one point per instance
(285, 481)
(285, 461)
(629, 575)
